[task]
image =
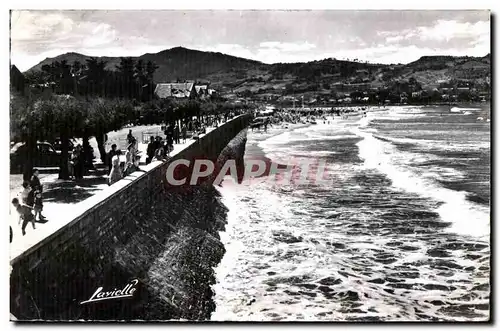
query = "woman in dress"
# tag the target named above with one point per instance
(116, 171)
(129, 160)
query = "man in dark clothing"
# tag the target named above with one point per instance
(129, 136)
(169, 132)
(151, 149)
(157, 142)
(177, 134)
(35, 181)
(169, 145)
(78, 159)
(110, 155)
(82, 161)
(184, 133)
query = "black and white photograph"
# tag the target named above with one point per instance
(250, 165)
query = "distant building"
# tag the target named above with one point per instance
(203, 91)
(175, 90)
(186, 90)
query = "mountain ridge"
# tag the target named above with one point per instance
(238, 74)
(181, 48)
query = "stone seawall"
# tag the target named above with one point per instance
(167, 238)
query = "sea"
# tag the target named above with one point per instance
(399, 232)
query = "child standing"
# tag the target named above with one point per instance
(38, 206)
(24, 214)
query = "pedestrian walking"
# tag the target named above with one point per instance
(184, 133)
(151, 150)
(78, 159)
(129, 136)
(35, 180)
(38, 206)
(110, 156)
(25, 215)
(131, 158)
(177, 134)
(116, 170)
(169, 147)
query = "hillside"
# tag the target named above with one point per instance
(232, 74)
(175, 63)
(72, 57)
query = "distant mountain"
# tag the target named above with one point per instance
(72, 57)
(238, 75)
(175, 63)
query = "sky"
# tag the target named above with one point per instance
(268, 36)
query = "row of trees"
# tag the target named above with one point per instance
(64, 117)
(131, 79)
(88, 100)
(168, 111)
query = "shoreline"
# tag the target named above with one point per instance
(274, 131)
(253, 149)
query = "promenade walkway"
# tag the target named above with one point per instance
(63, 200)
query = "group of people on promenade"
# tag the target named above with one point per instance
(31, 204)
(119, 169)
(80, 161)
(159, 149)
(77, 163)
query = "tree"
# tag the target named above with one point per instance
(95, 76)
(22, 128)
(63, 117)
(105, 115)
(59, 73)
(150, 70)
(140, 78)
(36, 77)
(126, 72)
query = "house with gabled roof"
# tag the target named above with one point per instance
(184, 90)
(204, 91)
